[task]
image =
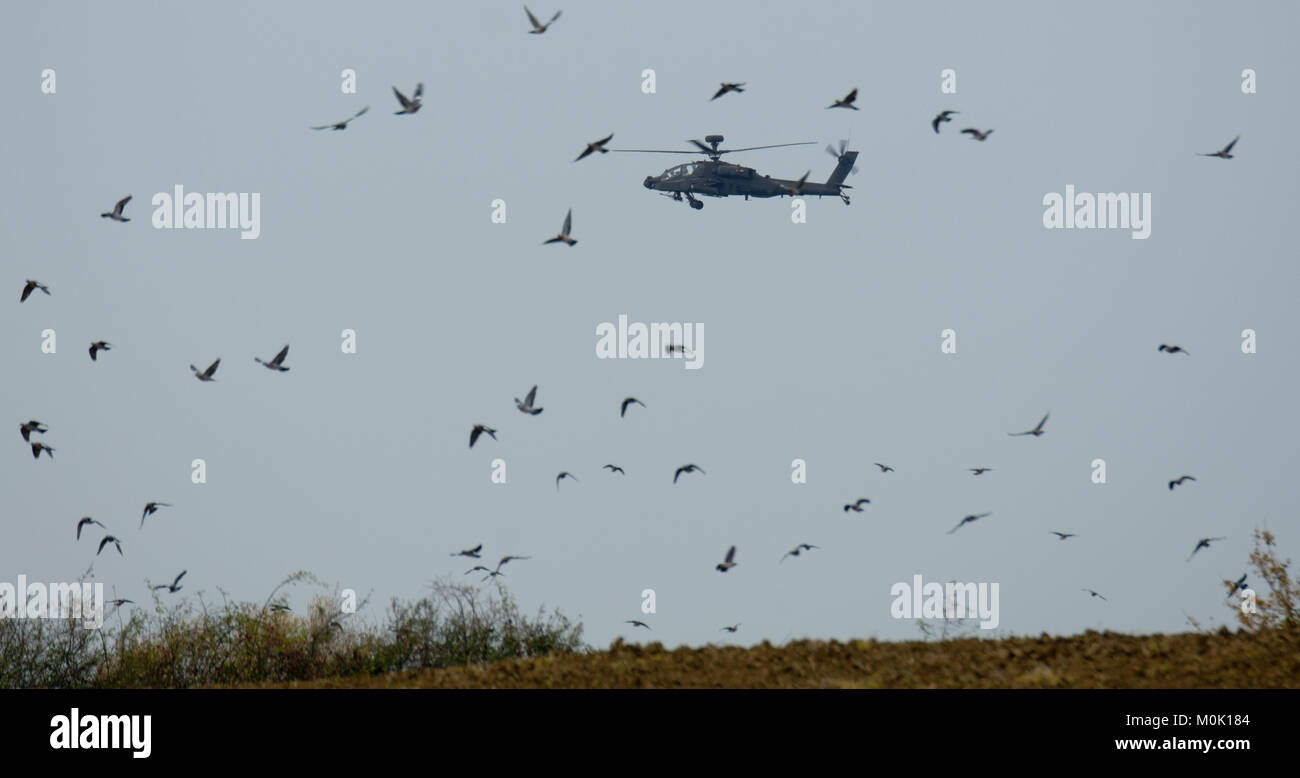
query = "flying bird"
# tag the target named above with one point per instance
(1179, 481)
(120, 602)
(37, 448)
(856, 507)
(563, 474)
(968, 519)
(1036, 431)
(1094, 594)
(727, 87)
(1171, 349)
(563, 237)
(527, 405)
(594, 146)
(479, 429)
(636, 623)
(472, 553)
(538, 27)
(172, 587)
(946, 116)
(626, 402)
(1063, 535)
(509, 557)
(1200, 544)
(29, 287)
(795, 551)
(150, 508)
(883, 468)
(729, 562)
(279, 607)
(688, 469)
(979, 470)
(29, 427)
(976, 134)
(477, 568)
(116, 213)
(277, 363)
(1240, 583)
(1225, 152)
(84, 521)
(97, 347)
(614, 469)
(109, 539)
(798, 185)
(412, 105)
(343, 125)
(731, 628)
(847, 102)
(206, 375)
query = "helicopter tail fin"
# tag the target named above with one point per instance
(841, 170)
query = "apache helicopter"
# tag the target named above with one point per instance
(721, 179)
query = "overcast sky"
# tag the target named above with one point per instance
(822, 339)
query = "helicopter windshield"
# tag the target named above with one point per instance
(680, 170)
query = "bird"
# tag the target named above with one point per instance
(29, 287)
(412, 105)
(343, 125)
(172, 587)
(731, 628)
(109, 539)
(509, 557)
(472, 553)
(538, 27)
(673, 348)
(1171, 349)
(1240, 583)
(563, 474)
(277, 363)
(1179, 481)
(206, 375)
(727, 87)
(97, 347)
(847, 102)
(1063, 535)
(1200, 544)
(795, 551)
(798, 185)
(37, 448)
(1094, 594)
(1224, 153)
(883, 468)
(856, 507)
(729, 562)
(1036, 431)
(688, 469)
(614, 469)
(279, 607)
(478, 567)
(596, 145)
(84, 521)
(979, 470)
(150, 508)
(479, 429)
(563, 237)
(527, 405)
(636, 623)
(116, 213)
(945, 116)
(976, 134)
(27, 428)
(968, 519)
(622, 411)
(120, 602)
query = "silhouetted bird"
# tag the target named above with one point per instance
(1094, 594)
(979, 470)
(636, 623)
(732, 628)
(614, 469)
(1063, 535)
(563, 474)
(29, 287)
(595, 146)
(968, 519)
(412, 105)
(37, 448)
(626, 402)
(84, 521)
(883, 468)
(847, 102)
(688, 469)
(479, 429)
(946, 116)
(206, 375)
(729, 562)
(1179, 481)
(97, 347)
(538, 27)
(795, 551)
(116, 213)
(109, 539)
(976, 134)
(29, 427)
(1224, 152)
(1171, 349)
(1036, 431)
(563, 237)
(172, 587)
(727, 87)
(277, 363)
(1200, 544)
(527, 405)
(343, 125)
(150, 508)
(856, 507)
(472, 553)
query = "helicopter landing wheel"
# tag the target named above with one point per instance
(696, 204)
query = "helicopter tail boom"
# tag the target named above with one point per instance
(842, 169)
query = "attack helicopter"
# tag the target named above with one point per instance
(716, 178)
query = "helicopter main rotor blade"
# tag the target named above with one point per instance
(773, 146)
(662, 151)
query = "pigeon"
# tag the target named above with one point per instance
(797, 189)
(883, 468)
(120, 602)
(206, 375)
(1094, 594)
(976, 134)
(527, 405)
(968, 519)
(472, 553)
(84, 521)
(856, 507)
(1171, 349)
(1200, 544)
(594, 146)
(150, 508)
(946, 116)
(172, 587)
(729, 562)
(277, 363)
(37, 448)
(614, 469)
(622, 411)
(1063, 535)
(636, 623)
(1036, 431)
(795, 551)
(343, 125)
(29, 287)
(1240, 583)
(688, 469)
(412, 105)
(847, 102)
(97, 347)
(563, 474)
(1179, 481)
(979, 470)
(479, 429)
(538, 27)
(563, 237)
(116, 213)
(109, 539)
(1224, 153)
(727, 87)
(29, 427)
(731, 628)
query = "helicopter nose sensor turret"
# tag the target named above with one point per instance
(649, 181)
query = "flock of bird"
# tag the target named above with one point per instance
(528, 406)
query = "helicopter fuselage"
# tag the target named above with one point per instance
(723, 179)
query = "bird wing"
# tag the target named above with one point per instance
(401, 98)
(935, 123)
(473, 435)
(419, 90)
(970, 131)
(117, 209)
(553, 18)
(179, 577)
(323, 127)
(284, 352)
(719, 93)
(568, 222)
(731, 554)
(532, 395)
(531, 18)
(359, 113)
(851, 96)
(1228, 148)
(605, 139)
(212, 368)
(1043, 421)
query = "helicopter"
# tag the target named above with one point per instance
(716, 178)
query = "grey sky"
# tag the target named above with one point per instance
(822, 338)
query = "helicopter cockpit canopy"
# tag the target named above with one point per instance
(684, 169)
